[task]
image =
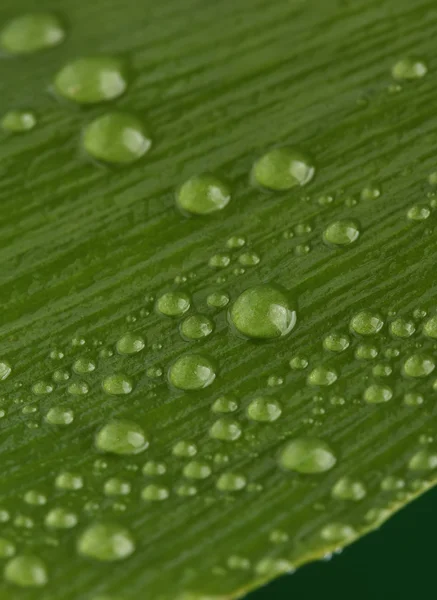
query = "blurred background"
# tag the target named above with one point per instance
(397, 562)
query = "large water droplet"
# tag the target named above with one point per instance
(32, 32)
(106, 542)
(307, 455)
(173, 304)
(92, 80)
(419, 365)
(366, 323)
(264, 409)
(121, 437)
(282, 169)
(202, 195)
(26, 571)
(402, 328)
(263, 312)
(117, 138)
(192, 372)
(341, 233)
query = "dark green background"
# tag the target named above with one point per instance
(396, 562)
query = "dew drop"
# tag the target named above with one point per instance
(153, 468)
(413, 399)
(366, 323)
(196, 327)
(219, 261)
(225, 404)
(217, 300)
(271, 567)
(225, 429)
(424, 460)
(117, 384)
(298, 363)
(106, 542)
(402, 328)
(202, 195)
(5, 369)
(18, 121)
(41, 388)
(78, 388)
(429, 329)
(366, 352)
(249, 259)
(307, 455)
(61, 375)
(154, 493)
(35, 498)
(26, 571)
(263, 312)
(122, 438)
(116, 137)
(264, 409)
(60, 518)
(418, 212)
(69, 481)
(283, 168)
(322, 376)
(32, 32)
(173, 304)
(7, 548)
(347, 488)
(130, 343)
(197, 470)
(371, 192)
(235, 242)
(409, 69)
(59, 416)
(83, 365)
(378, 394)
(419, 365)
(341, 233)
(192, 372)
(336, 342)
(186, 490)
(338, 532)
(239, 563)
(92, 80)
(382, 370)
(392, 483)
(116, 487)
(278, 537)
(231, 482)
(184, 449)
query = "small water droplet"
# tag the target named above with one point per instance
(418, 365)
(60, 518)
(413, 399)
(69, 481)
(424, 460)
(7, 548)
(61, 375)
(106, 542)
(155, 492)
(264, 409)
(18, 121)
(341, 233)
(83, 365)
(307, 455)
(298, 363)
(418, 212)
(26, 571)
(116, 487)
(371, 192)
(238, 563)
(41, 388)
(231, 482)
(196, 327)
(78, 388)
(348, 488)
(429, 328)
(192, 372)
(249, 259)
(322, 376)
(235, 242)
(283, 168)
(219, 261)
(32, 32)
(116, 137)
(130, 343)
(408, 69)
(217, 300)
(197, 470)
(392, 483)
(5, 369)
(378, 394)
(184, 449)
(382, 370)
(117, 384)
(121, 437)
(402, 328)
(186, 490)
(202, 195)
(225, 429)
(366, 323)
(173, 304)
(35, 498)
(59, 416)
(338, 532)
(271, 567)
(153, 468)
(336, 342)
(225, 404)
(278, 537)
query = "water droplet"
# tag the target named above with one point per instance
(235, 563)
(413, 399)
(366, 323)
(117, 384)
(264, 409)
(186, 490)
(69, 481)
(130, 343)
(418, 212)
(249, 259)
(60, 375)
(202, 195)
(154, 492)
(34, 498)
(419, 365)
(59, 416)
(341, 233)
(106, 542)
(402, 328)
(78, 388)
(409, 68)
(121, 437)
(282, 169)
(26, 571)
(382, 370)
(322, 376)
(347, 488)
(117, 138)
(18, 121)
(32, 32)
(7, 548)
(424, 460)
(192, 372)
(197, 470)
(196, 327)
(338, 532)
(83, 365)
(225, 404)
(377, 394)
(307, 455)
(225, 429)
(271, 567)
(184, 449)
(371, 192)
(235, 242)
(298, 363)
(173, 304)
(60, 518)
(392, 483)
(336, 342)
(154, 468)
(5, 369)
(116, 487)
(366, 352)
(4, 516)
(92, 80)
(41, 388)
(278, 537)
(217, 300)
(263, 312)
(219, 261)
(429, 329)
(231, 482)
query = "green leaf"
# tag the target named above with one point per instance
(149, 448)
